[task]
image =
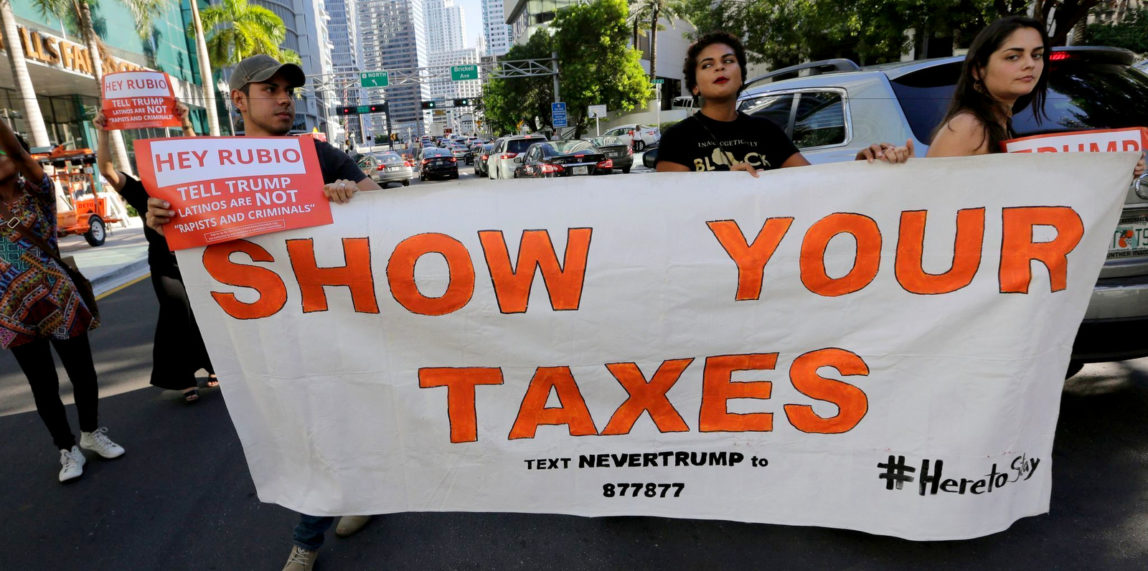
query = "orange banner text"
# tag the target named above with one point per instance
(563, 277)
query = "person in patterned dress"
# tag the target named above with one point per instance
(41, 308)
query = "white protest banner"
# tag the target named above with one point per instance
(139, 99)
(1097, 141)
(866, 346)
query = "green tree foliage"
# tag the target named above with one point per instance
(77, 16)
(236, 30)
(1131, 33)
(510, 100)
(596, 67)
(786, 32)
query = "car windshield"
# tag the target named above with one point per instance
(1082, 94)
(389, 158)
(567, 147)
(519, 145)
(435, 152)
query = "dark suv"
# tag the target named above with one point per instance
(832, 114)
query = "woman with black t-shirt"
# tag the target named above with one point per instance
(178, 350)
(719, 137)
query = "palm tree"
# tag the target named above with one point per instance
(239, 30)
(669, 10)
(24, 89)
(79, 12)
(204, 70)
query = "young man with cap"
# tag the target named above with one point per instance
(263, 90)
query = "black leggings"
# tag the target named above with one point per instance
(35, 360)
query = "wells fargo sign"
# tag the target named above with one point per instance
(57, 52)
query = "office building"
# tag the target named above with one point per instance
(346, 55)
(392, 34)
(494, 28)
(445, 23)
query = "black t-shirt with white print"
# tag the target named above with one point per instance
(704, 144)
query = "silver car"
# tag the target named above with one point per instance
(832, 115)
(387, 167)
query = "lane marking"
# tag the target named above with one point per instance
(126, 285)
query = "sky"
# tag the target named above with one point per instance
(473, 11)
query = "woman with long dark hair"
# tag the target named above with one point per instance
(178, 351)
(41, 308)
(1004, 72)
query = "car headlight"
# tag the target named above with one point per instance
(1140, 185)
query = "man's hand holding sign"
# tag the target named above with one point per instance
(217, 209)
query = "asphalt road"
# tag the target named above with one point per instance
(182, 498)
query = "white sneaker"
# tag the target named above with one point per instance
(71, 464)
(97, 441)
(301, 559)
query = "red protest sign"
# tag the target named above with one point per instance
(1131, 139)
(225, 188)
(139, 99)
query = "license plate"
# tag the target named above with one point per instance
(1130, 237)
(581, 170)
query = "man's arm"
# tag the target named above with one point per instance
(182, 113)
(104, 160)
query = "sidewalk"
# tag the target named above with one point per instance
(122, 258)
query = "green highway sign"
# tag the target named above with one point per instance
(463, 72)
(375, 78)
(364, 109)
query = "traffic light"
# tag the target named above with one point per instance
(379, 108)
(428, 104)
(347, 111)
(464, 102)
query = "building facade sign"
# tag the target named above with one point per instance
(60, 53)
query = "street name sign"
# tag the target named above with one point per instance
(658, 81)
(375, 78)
(558, 114)
(463, 72)
(364, 108)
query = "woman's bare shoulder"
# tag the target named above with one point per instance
(962, 135)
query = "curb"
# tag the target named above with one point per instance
(119, 276)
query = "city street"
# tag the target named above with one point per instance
(182, 497)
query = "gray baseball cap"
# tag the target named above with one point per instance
(261, 68)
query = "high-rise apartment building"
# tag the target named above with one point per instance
(346, 55)
(393, 37)
(494, 28)
(445, 23)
